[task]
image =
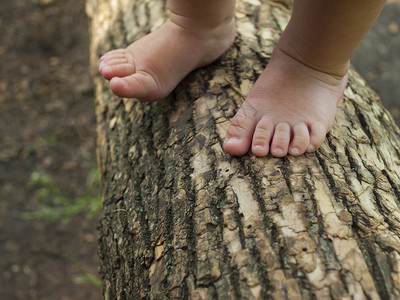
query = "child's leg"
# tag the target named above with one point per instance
(197, 33)
(297, 94)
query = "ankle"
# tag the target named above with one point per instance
(207, 27)
(202, 15)
(290, 64)
(204, 45)
(328, 65)
(199, 26)
(212, 36)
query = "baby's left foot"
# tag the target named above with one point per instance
(290, 109)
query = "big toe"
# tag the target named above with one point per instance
(140, 85)
(240, 132)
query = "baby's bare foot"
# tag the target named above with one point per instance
(290, 109)
(150, 68)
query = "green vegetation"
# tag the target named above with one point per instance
(54, 203)
(84, 276)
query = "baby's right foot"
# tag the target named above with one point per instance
(150, 68)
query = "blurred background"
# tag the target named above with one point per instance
(378, 59)
(49, 184)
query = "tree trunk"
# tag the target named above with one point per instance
(183, 219)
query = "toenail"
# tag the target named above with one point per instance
(124, 83)
(311, 148)
(295, 151)
(230, 140)
(278, 151)
(258, 148)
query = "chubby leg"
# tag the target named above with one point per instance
(196, 33)
(297, 94)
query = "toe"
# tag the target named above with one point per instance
(140, 85)
(116, 57)
(112, 62)
(240, 132)
(113, 53)
(108, 62)
(317, 136)
(119, 64)
(300, 140)
(281, 139)
(119, 70)
(262, 137)
(110, 58)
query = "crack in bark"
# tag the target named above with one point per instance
(373, 266)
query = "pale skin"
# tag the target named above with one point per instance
(293, 103)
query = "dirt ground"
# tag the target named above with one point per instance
(48, 178)
(47, 154)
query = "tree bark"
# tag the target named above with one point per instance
(183, 219)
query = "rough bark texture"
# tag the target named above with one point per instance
(182, 219)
